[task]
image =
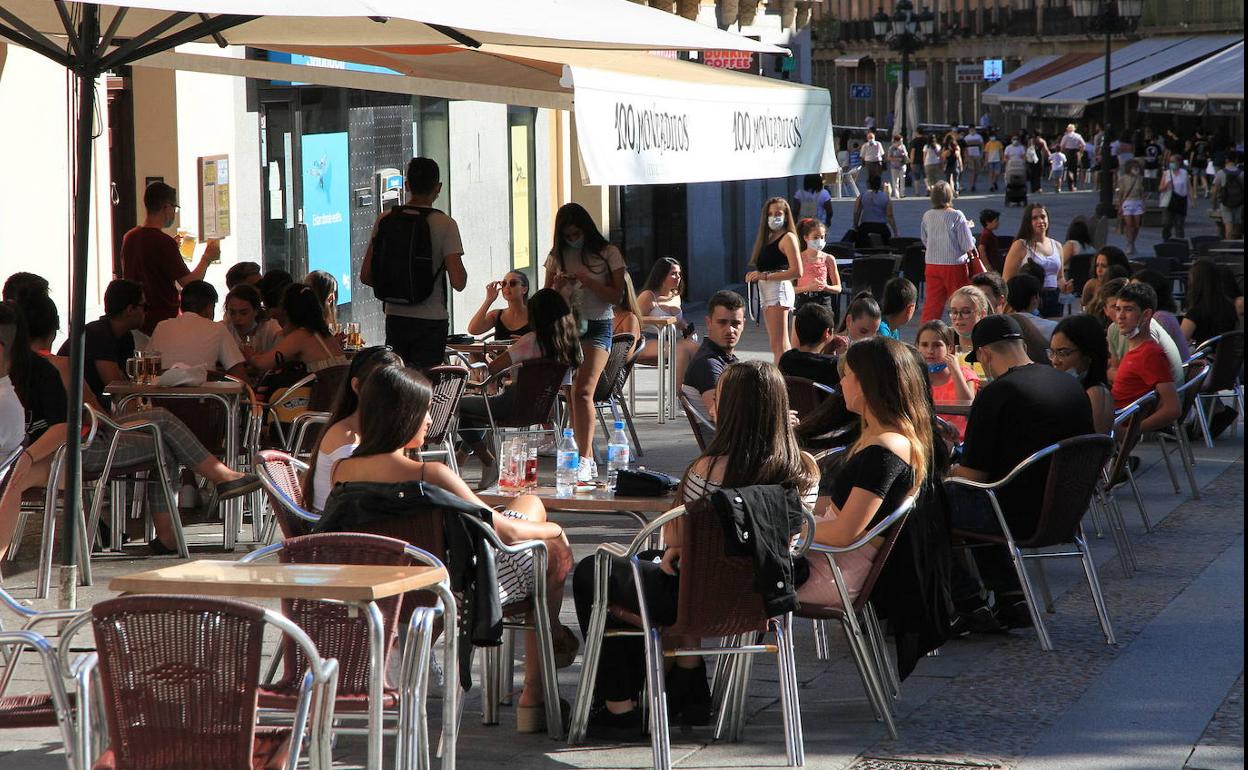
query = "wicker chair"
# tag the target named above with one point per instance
(862, 627)
(177, 680)
(1194, 375)
(32, 710)
(805, 395)
(1075, 466)
(1117, 473)
(716, 598)
(279, 475)
(614, 373)
(448, 383)
(703, 428)
(361, 642)
(1227, 351)
(535, 387)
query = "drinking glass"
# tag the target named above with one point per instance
(186, 245)
(153, 368)
(132, 368)
(530, 465)
(506, 470)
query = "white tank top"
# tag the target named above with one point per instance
(1052, 262)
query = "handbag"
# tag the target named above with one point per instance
(643, 483)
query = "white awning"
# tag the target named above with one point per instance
(640, 119)
(1068, 93)
(1002, 86)
(1214, 86)
(600, 24)
(850, 60)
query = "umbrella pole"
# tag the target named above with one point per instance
(85, 71)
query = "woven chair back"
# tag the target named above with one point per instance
(535, 387)
(448, 383)
(278, 467)
(1074, 472)
(617, 359)
(179, 676)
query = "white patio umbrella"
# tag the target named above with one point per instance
(92, 37)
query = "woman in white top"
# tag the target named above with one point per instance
(946, 235)
(660, 298)
(588, 271)
(813, 201)
(341, 434)
(1035, 245)
(777, 264)
(242, 318)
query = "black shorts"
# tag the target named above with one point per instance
(420, 341)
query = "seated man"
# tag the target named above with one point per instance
(1022, 294)
(900, 299)
(1144, 367)
(815, 326)
(994, 288)
(1025, 408)
(194, 338)
(1119, 343)
(725, 321)
(108, 340)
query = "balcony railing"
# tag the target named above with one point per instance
(1171, 13)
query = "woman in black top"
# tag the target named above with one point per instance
(881, 383)
(1210, 311)
(777, 264)
(509, 322)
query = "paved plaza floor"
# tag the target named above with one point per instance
(1167, 696)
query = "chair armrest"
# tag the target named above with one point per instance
(866, 537)
(261, 553)
(289, 391)
(497, 543)
(804, 542)
(612, 549)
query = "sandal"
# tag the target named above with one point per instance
(566, 645)
(532, 719)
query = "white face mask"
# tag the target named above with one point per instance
(816, 244)
(776, 222)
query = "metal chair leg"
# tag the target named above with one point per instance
(660, 743)
(1094, 585)
(1139, 499)
(507, 666)
(887, 667)
(1029, 595)
(1203, 419)
(1165, 456)
(1188, 459)
(489, 685)
(1044, 587)
(794, 745)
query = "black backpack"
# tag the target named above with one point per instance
(1233, 190)
(403, 272)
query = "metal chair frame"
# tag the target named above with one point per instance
(277, 494)
(449, 383)
(410, 718)
(613, 397)
(731, 676)
(62, 707)
(1177, 431)
(495, 430)
(316, 695)
(703, 428)
(1235, 387)
(1018, 557)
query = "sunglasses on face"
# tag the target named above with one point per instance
(513, 283)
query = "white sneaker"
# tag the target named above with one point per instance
(587, 473)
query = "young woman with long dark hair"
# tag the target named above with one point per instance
(511, 321)
(660, 298)
(307, 336)
(589, 272)
(777, 263)
(1210, 311)
(1035, 245)
(1078, 347)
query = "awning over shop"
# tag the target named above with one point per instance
(1068, 93)
(640, 119)
(850, 60)
(1214, 86)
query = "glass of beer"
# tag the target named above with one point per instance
(132, 367)
(186, 245)
(152, 367)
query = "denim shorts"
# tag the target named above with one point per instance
(598, 334)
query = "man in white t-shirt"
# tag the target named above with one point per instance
(974, 160)
(1072, 146)
(1015, 158)
(418, 331)
(194, 338)
(872, 156)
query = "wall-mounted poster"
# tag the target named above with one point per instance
(326, 196)
(214, 196)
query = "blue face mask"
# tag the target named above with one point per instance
(937, 367)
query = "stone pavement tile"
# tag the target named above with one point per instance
(1004, 703)
(1222, 745)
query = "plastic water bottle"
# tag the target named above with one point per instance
(617, 454)
(567, 462)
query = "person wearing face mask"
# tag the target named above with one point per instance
(1145, 367)
(949, 379)
(1129, 197)
(1119, 338)
(1025, 408)
(777, 264)
(1078, 348)
(820, 281)
(150, 257)
(1176, 191)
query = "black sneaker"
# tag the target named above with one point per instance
(694, 695)
(977, 621)
(605, 724)
(1222, 418)
(1013, 614)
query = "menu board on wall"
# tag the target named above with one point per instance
(214, 196)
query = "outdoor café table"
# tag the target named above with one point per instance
(599, 501)
(954, 408)
(665, 365)
(357, 585)
(227, 393)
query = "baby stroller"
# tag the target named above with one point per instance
(1015, 182)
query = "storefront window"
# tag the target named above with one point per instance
(431, 138)
(522, 146)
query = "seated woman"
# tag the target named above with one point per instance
(753, 444)
(38, 387)
(950, 379)
(325, 286)
(862, 318)
(554, 336)
(627, 313)
(243, 317)
(1110, 262)
(889, 461)
(1210, 308)
(660, 298)
(967, 307)
(394, 417)
(511, 321)
(1080, 349)
(341, 435)
(43, 323)
(307, 339)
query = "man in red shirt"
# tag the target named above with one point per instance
(151, 258)
(1144, 367)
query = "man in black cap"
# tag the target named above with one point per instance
(1024, 408)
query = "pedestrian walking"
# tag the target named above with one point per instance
(896, 157)
(873, 213)
(813, 201)
(951, 162)
(1036, 156)
(1130, 201)
(994, 160)
(1072, 147)
(931, 163)
(1176, 194)
(1057, 168)
(1228, 196)
(873, 156)
(950, 252)
(973, 160)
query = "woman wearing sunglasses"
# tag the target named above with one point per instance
(511, 321)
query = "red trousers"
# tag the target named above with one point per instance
(941, 281)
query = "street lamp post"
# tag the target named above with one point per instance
(906, 32)
(1111, 17)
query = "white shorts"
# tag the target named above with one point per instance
(776, 293)
(1132, 208)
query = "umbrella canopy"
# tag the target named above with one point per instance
(1214, 86)
(731, 125)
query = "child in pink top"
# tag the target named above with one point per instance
(950, 381)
